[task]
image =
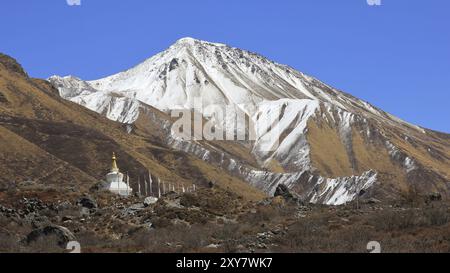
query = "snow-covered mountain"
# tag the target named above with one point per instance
(332, 146)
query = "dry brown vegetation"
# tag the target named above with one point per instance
(217, 220)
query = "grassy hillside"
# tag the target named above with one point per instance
(48, 140)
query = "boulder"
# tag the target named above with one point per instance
(87, 202)
(215, 246)
(150, 201)
(283, 191)
(62, 235)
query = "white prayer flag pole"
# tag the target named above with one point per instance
(151, 182)
(139, 185)
(145, 187)
(159, 188)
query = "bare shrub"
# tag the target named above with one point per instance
(394, 220)
(47, 244)
(8, 243)
(229, 235)
(436, 216)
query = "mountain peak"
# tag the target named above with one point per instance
(192, 41)
(186, 40)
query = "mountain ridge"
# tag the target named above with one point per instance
(359, 137)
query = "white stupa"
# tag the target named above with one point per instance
(115, 180)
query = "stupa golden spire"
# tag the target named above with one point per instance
(114, 167)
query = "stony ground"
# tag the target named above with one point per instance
(215, 220)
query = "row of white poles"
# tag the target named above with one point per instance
(148, 187)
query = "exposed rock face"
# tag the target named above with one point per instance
(282, 190)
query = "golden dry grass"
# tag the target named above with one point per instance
(328, 153)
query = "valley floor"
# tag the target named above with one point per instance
(215, 220)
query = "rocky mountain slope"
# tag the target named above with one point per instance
(50, 144)
(332, 146)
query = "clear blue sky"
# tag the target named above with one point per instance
(396, 56)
